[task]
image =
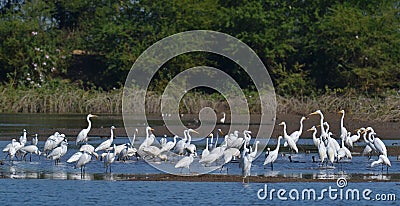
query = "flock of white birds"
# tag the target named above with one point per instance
(329, 149)
(234, 146)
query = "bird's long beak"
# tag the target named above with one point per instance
(311, 129)
(195, 131)
(280, 123)
(94, 115)
(220, 132)
(312, 113)
(319, 125)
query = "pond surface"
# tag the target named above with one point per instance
(58, 192)
(44, 183)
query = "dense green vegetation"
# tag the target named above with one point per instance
(311, 48)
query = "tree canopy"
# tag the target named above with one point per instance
(307, 46)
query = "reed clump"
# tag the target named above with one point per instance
(73, 99)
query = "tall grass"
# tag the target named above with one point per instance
(72, 99)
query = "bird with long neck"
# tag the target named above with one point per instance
(324, 134)
(107, 143)
(296, 134)
(82, 136)
(288, 139)
(273, 155)
(343, 130)
(191, 148)
(315, 139)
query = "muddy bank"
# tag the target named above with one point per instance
(385, 130)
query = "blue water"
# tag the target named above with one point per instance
(58, 192)
(40, 182)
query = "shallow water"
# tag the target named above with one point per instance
(41, 182)
(57, 192)
(302, 165)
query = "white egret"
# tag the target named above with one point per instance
(132, 139)
(109, 159)
(354, 138)
(149, 138)
(288, 139)
(324, 134)
(384, 160)
(214, 155)
(180, 145)
(185, 162)
(82, 136)
(344, 152)
(119, 148)
(322, 151)
(222, 120)
(30, 149)
(53, 141)
(246, 164)
(247, 137)
(219, 131)
(58, 152)
(191, 148)
(205, 151)
(82, 161)
(378, 143)
(343, 130)
(296, 134)
(315, 139)
(107, 143)
(152, 151)
(75, 157)
(253, 153)
(13, 143)
(169, 145)
(331, 151)
(230, 153)
(333, 141)
(273, 155)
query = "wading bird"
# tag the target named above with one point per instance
(296, 134)
(107, 143)
(58, 152)
(82, 136)
(82, 161)
(273, 155)
(185, 162)
(109, 159)
(222, 120)
(343, 130)
(315, 139)
(384, 160)
(288, 139)
(30, 149)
